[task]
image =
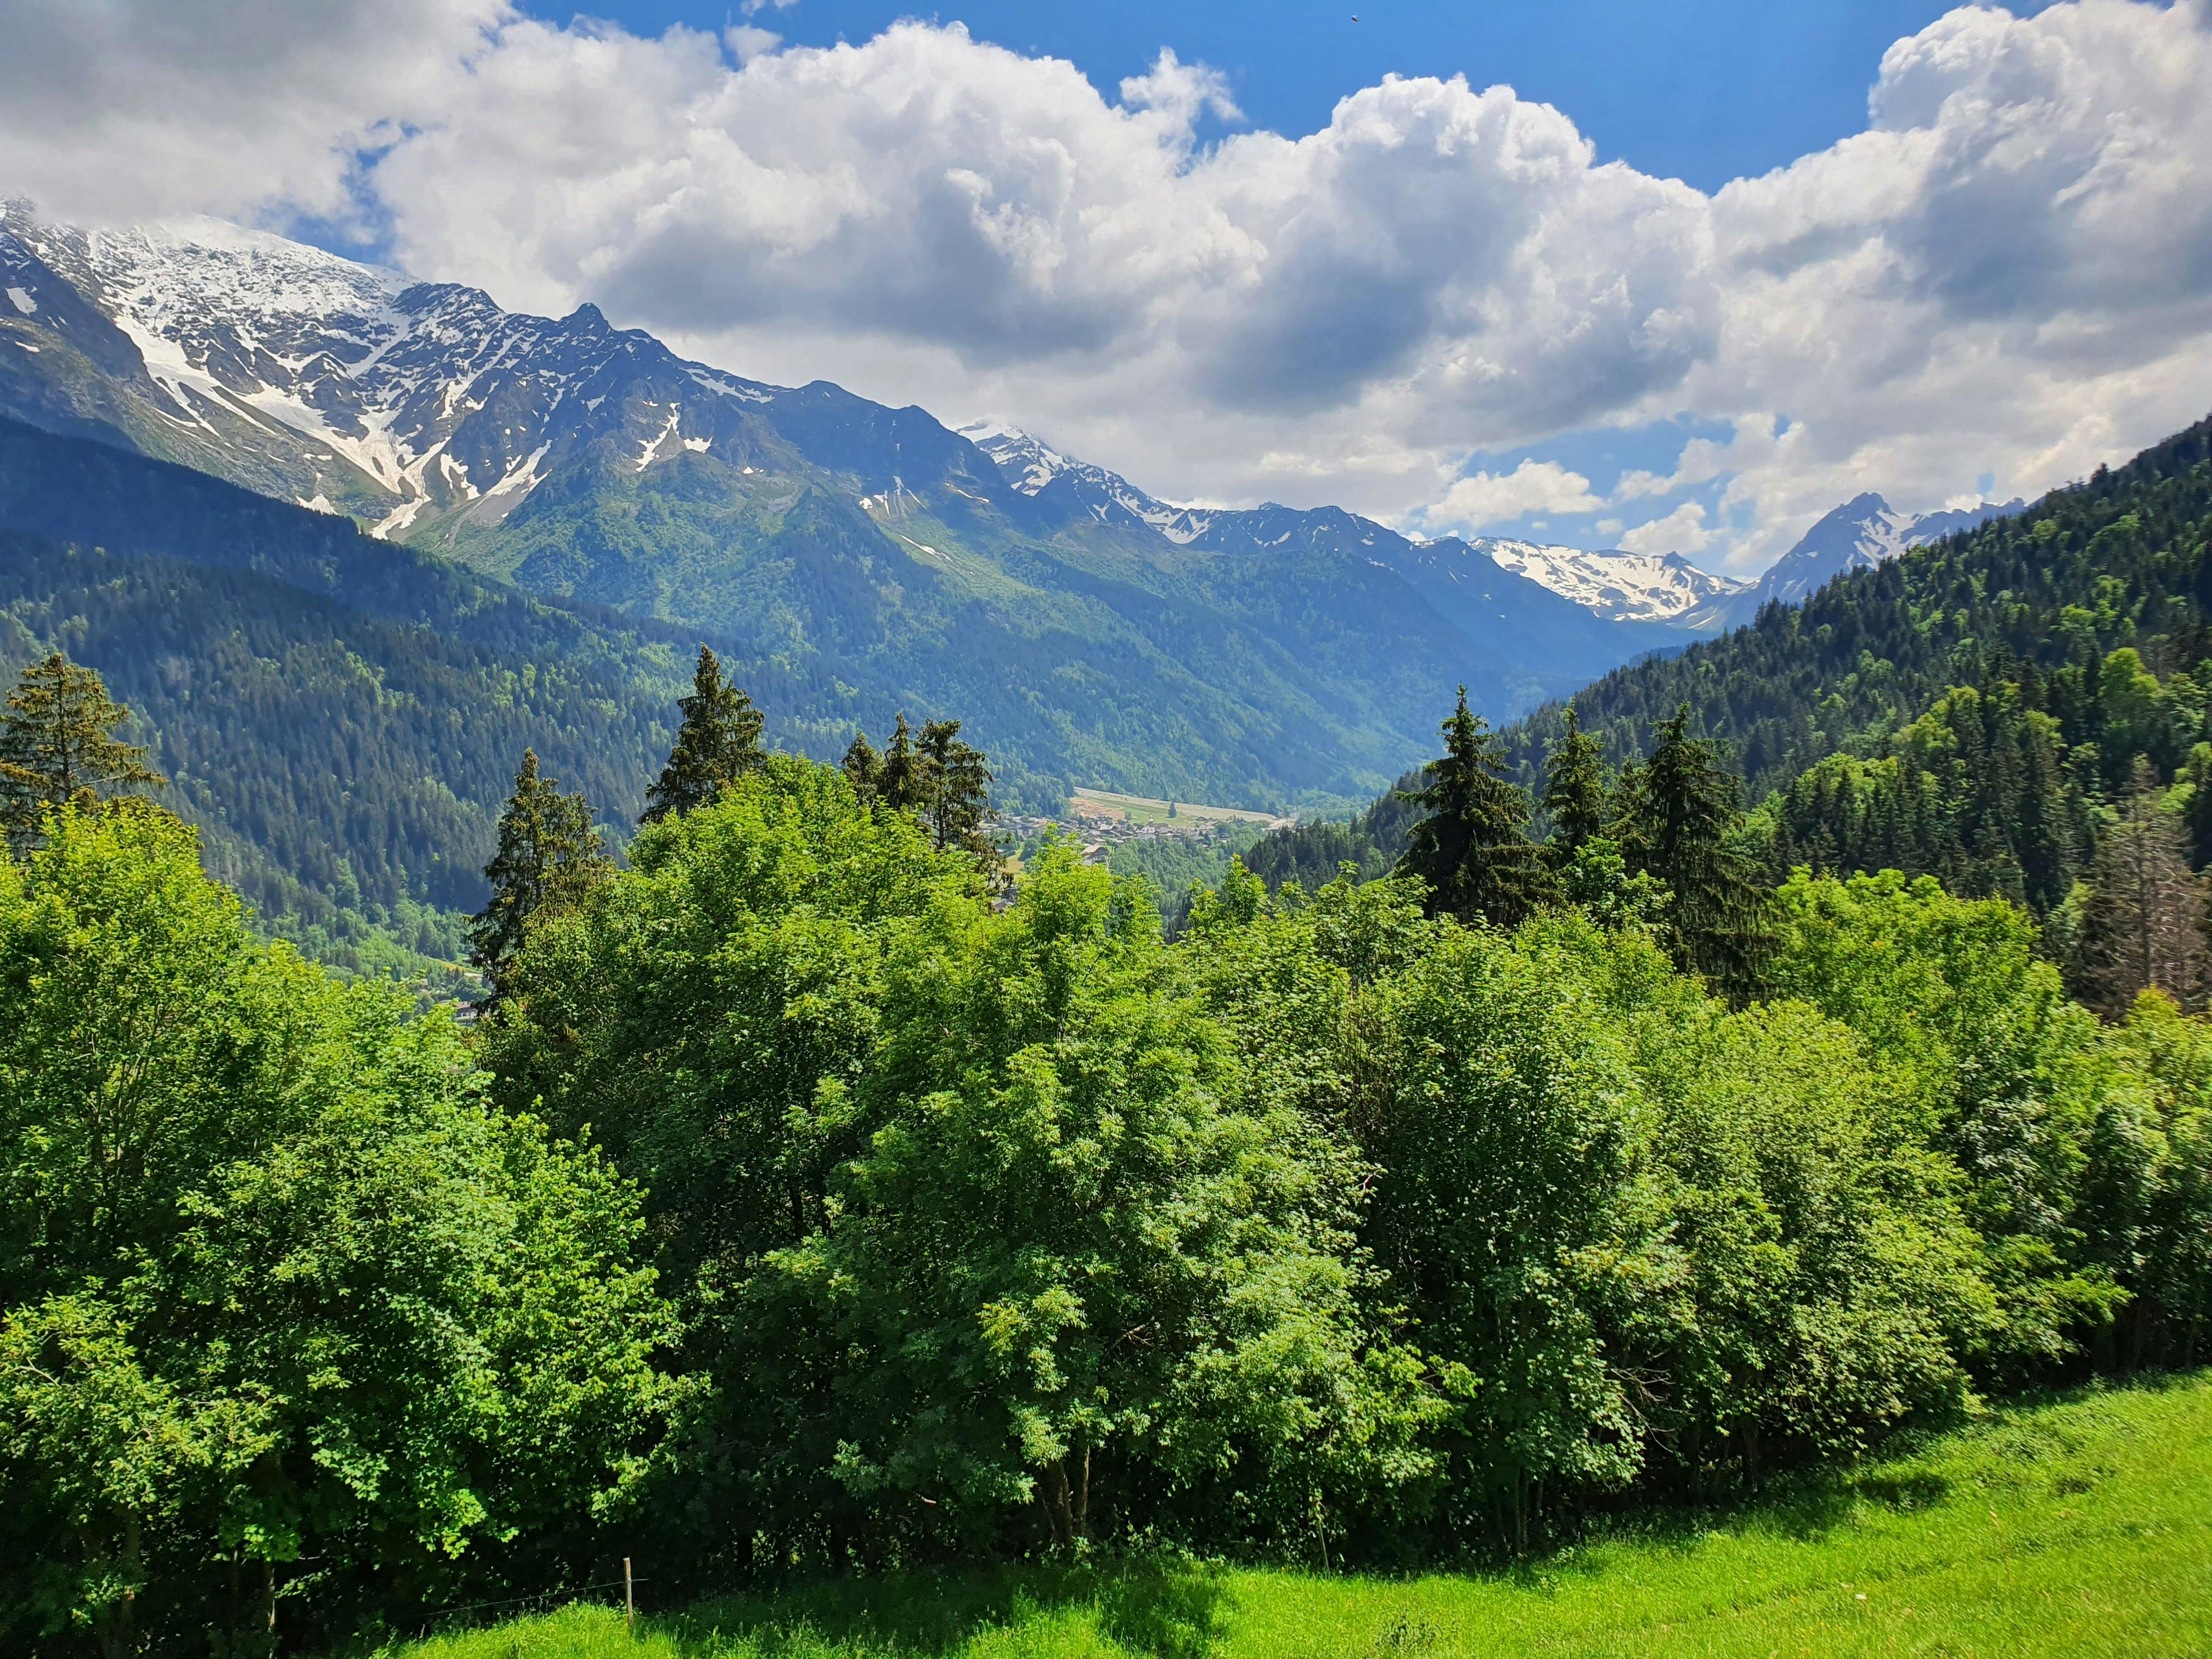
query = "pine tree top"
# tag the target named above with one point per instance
(1472, 848)
(1574, 787)
(57, 744)
(550, 856)
(719, 743)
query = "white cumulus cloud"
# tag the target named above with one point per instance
(1484, 498)
(1682, 530)
(117, 110)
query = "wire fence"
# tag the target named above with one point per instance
(469, 1615)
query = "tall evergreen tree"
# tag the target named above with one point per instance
(549, 857)
(905, 783)
(959, 800)
(1574, 788)
(2143, 927)
(863, 768)
(57, 742)
(1472, 848)
(1679, 809)
(719, 743)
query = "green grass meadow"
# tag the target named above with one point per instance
(2080, 1526)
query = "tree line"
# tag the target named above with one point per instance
(804, 1201)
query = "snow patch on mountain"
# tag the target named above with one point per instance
(1863, 533)
(1619, 586)
(1033, 467)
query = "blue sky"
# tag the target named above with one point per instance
(1701, 90)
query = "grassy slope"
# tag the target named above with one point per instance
(2082, 1527)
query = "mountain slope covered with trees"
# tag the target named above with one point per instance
(2022, 709)
(340, 717)
(1967, 707)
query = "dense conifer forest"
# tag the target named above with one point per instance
(1975, 710)
(2017, 710)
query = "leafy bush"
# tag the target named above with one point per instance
(288, 1307)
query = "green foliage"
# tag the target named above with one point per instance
(282, 1303)
(1085, 1282)
(2143, 919)
(968, 1209)
(549, 858)
(1678, 812)
(57, 744)
(1472, 846)
(1308, 853)
(863, 767)
(1968, 710)
(718, 742)
(999, 1225)
(2149, 1210)
(2008, 1077)
(1180, 868)
(1575, 788)
(1980, 791)
(1595, 879)
(1641, 1239)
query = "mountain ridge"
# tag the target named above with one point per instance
(1860, 534)
(1256, 659)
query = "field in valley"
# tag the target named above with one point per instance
(1144, 809)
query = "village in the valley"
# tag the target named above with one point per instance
(1106, 820)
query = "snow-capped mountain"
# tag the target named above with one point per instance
(1616, 586)
(1035, 470)
(417, 407)
(1621, 586)
(1863, 533)
(1485, 596)
(850, 546)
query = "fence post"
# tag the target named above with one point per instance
(629, 1603)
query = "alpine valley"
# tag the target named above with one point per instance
(1086, 632)
(387, 533)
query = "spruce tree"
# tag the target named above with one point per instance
(959, 798)
(863, 767)
(719, 743)
(2143, 926)
(1679, 807)
(57, 744)
(1472, 848)
(905, 783)
(549, 857)
(1574, 789)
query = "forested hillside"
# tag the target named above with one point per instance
(1981, 697)
(341, 717)
(1982, 709)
